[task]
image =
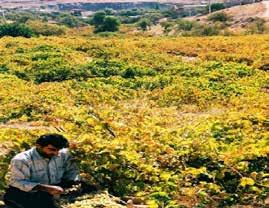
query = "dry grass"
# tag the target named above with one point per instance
(241, 12)
(241, 15)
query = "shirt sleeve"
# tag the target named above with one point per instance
(20, 176)
(71, 170)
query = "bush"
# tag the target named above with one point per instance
(130, 13)
(105, 68)
(168, 26)
(154, 17)
(256, 26)
(98, 18)
(103, 23)
(143, 24)
(191, 28)
(206, 30)
(110, 24)
(3, 69)
(186, 25)
(46, 29)
(219, 17)
(20, 17)
(15, 30)
(173, 14)
(69, 20)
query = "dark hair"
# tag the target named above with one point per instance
(56, 140)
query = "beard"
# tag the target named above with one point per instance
(44, 154)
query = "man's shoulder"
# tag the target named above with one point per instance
(23, 156)
(64, 153)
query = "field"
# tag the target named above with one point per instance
(175, 122)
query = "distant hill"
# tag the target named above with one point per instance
(20, 2)
(94, 4)
(38, 3)
(242, 14)
(101, 1)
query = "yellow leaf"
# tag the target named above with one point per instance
(246, 182)
(165, 176)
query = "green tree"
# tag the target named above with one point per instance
(104, 23)
(171, 13)
(143, 24)
(168, 26)
(98, 18)
(111, 24)
(186, 25)
(46, 29)
(219, 17)
(15, 30)
(109, 11)
(21, 17)
(69, 20)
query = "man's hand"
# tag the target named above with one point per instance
(53, 190)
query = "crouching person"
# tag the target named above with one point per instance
(40, 174)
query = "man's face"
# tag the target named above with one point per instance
(48, 151)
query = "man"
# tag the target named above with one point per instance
(40, 174)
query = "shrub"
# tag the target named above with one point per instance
(217, 6)
(98, 18)
(167, 25)
(133, 71)
(69, 20)
(206, 30)
(193, 28)
(143, 24)
(15, 30)
(110, 24)
(104, 23)
(3, 69)
(171, 13)
(46, 29)
(20, 17)
(256, 26)
(130, 13)
(219, 17)
(186, 25)
(105, 68)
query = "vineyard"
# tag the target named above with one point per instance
(174, 122)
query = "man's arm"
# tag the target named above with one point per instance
(20, 176)
(53, 190)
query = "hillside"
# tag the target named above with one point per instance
(171, 121)
(241, 15)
